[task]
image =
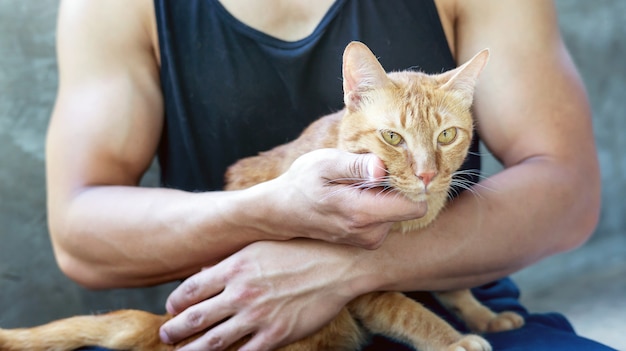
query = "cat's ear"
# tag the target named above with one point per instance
(463, 78)
(361, 73)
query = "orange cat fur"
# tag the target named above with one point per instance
(421, 127)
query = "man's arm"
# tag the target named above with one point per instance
(102, 137)
(106, 125)
(532, 112)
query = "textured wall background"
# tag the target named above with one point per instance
(32, 290)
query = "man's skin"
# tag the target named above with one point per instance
(531, 111)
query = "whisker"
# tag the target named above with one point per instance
(462, 175)
(454, 190)
(357, 179)
(344, 180)
(355, 184)
(383, 192)
(470, 172)
(466, 183)
(337, 192)
(474, 173)
(462, 180)
(358, 184)
(481, 154)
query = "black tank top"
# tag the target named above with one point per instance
(231, 91)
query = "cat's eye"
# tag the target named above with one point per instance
(392, 138)
(447, 136)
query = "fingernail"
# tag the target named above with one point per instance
(164, 337)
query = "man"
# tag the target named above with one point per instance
(203, 83)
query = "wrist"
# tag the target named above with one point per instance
(364, 271)
(255, 211)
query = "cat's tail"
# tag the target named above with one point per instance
(119, 330)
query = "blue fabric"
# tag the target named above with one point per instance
(542, 332)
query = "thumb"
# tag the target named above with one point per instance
(367, 167)
(342, 167)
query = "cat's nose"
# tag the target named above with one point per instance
(426, 177)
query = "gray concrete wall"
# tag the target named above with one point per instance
(32, 290)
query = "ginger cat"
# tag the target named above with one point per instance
(421, 127)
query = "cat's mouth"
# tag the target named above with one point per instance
(416, 191)
(413, 194)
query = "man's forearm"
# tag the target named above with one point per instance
(114, 236)
(513, 219)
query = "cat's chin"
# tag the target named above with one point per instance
(418, 197)
(428, 196)
(422, 197)
(430, 202)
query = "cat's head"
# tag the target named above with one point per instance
(419, 125)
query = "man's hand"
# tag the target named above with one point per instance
(278, 292)
(335, 196)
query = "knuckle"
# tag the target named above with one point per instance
(233, 270)
(190, 287)
(214, 342)
(194, 320)
(373, 243)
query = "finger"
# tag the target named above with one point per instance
(194, 289)
(382, 206)
(351, 168)
(388, 206)
(220, 337)
(259, 342)
(194, 320)
(376, 168)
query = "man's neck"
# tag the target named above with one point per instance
(288, 20)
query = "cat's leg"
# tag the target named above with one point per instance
(399, 317)
(477, 316)
(120, 330)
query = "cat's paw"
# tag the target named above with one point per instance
(470, 343)
(504, 321)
